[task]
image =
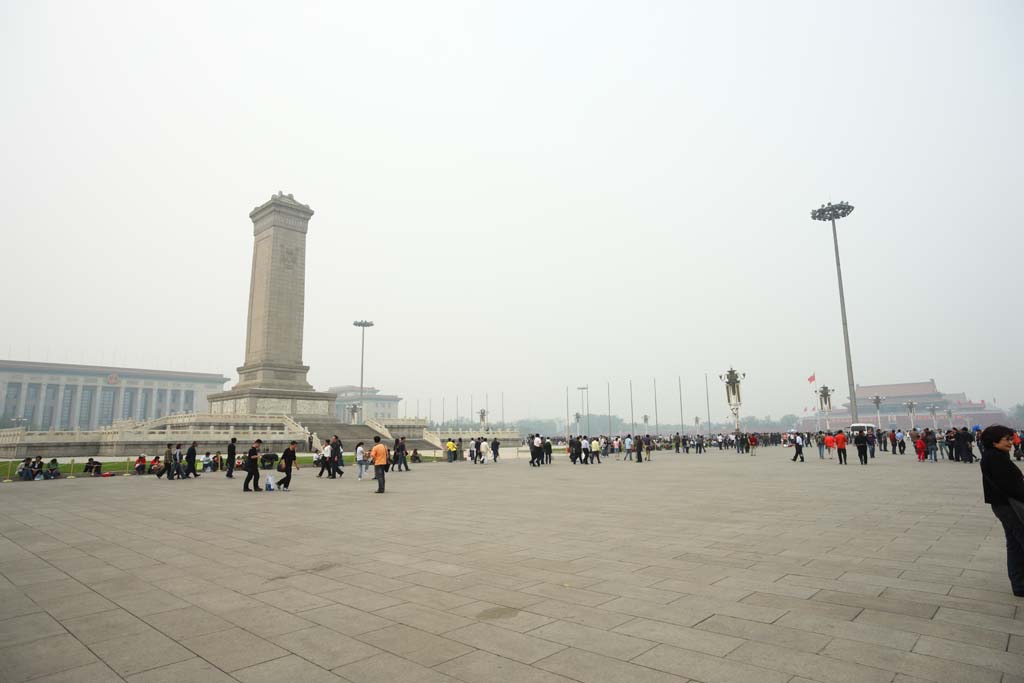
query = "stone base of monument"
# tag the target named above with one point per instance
(315, 405)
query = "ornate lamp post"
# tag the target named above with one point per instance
(910, 405)
(362, 324)
(577, 415)
(825, 401)
(483, 418)
(732, 380)
(353, 411)
(877, 400)
(646, 419)
(833, 212)
(933, 409)
(949, 416)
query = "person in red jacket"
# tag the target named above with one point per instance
(919, 446)
(830, 443)
(840, 446)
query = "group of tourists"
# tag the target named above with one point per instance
(479, 450)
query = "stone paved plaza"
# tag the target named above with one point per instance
(714, 568)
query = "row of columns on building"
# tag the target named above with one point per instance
(94, 409)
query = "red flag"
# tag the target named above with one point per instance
(805, 409)
(811, 379)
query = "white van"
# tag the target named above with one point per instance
(858, 426)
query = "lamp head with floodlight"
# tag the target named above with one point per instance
(832, 212)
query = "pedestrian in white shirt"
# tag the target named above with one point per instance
(360, 461)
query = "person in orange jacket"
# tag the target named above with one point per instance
(840, 446)
(830, 443)
(379, 455)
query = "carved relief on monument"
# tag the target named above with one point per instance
(304, 407)
(215, 408)
(273, 406)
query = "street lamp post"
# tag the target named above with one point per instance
(833, 212)
(362, 324)
(877, 400)
(933, 409)
(732, 380)
(632, 416)
(657, 423)
(949, 416)
(577, 415)
(825, 401)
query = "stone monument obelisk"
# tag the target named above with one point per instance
(273, 379)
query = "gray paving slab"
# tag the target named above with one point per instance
(715, 568)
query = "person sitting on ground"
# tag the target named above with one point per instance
(415, 457)
(156, 467)
(207, 462)
(24, 471)
(37, 468)
(140, 464)
(216, 462)
(52, 470)
(93, 467)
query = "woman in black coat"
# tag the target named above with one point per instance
(1002, 481)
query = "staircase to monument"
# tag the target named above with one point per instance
(348, 434)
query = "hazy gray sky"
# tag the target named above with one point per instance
(524, 195)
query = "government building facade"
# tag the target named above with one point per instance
(44, 396)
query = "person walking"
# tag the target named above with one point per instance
(861, 442)
(401, 456)
(901, 441)
(336, 460)
(179, 463)
(190, 461)
(798, 448)
(1003, 485)
(449, 448)
(252, 467)
(495, 445)
(870, 436)
(546, 450)
(288, 460)
(536, 450)
(629, 447)
(325, 460)
(841, 446)
(168, 467)
(379, 455)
